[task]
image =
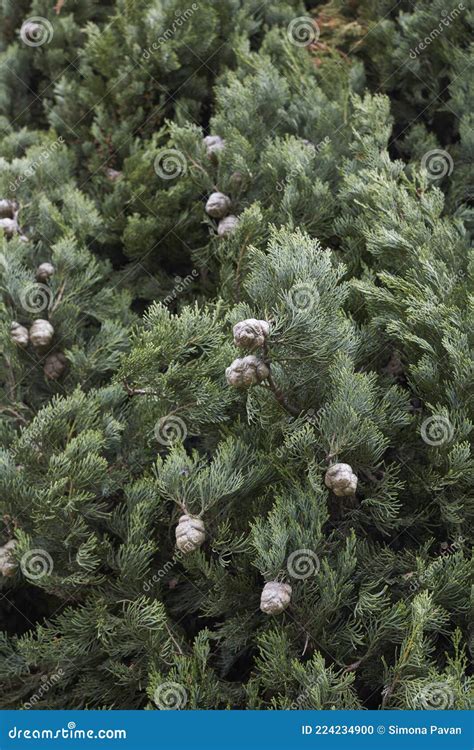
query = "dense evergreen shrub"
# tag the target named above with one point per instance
(344, 151)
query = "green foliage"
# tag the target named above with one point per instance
(357, 256)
